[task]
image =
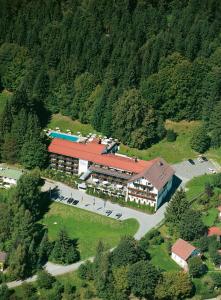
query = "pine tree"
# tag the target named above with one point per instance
(64, 250)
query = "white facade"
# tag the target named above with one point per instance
(181, 262)
(143, 185)
(83, 166)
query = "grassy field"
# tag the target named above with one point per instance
(211, 217)
(161, 258)
(197, 185)
(87, 227)
(4, 96)
(214, 154)
(65, 123)
(172, 152)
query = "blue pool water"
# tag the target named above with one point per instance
(64, 136)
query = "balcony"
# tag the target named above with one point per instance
(147, 197)
(68, 168)
(61, 166)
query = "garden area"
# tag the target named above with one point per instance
(88, 228)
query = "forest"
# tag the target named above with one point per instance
(123, 66)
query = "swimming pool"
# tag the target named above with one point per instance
(64, 136)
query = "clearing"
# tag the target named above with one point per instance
(65, 123)
(88, 228)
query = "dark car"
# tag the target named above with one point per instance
(70, 200)
(118, 215)
(191, 161)
(108, 212)
(204, 158)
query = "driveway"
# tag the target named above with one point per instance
(186, 171)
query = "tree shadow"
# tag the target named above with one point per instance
(46, 200)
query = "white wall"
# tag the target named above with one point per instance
(144, 182)
(182, 263)
(83, 166)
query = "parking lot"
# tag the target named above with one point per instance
(186, 170)
(95, 206)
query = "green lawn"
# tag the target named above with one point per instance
(172, 152)
(214, 154)
(161, 258)
(65, 123)
(87, 227)
(4, 96)
(197, 185)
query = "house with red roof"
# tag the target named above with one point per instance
(214, 231)
(145, 182)
(181, 251)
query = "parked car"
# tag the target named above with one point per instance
(108, 212)
(118, 215)
(75, 202)
(201, 158)
(191, 161)
(211, 170)
(70, 200)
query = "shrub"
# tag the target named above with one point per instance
(196, 266)
(171, 135)
(216, 277)
(45, 280)
(86, 271)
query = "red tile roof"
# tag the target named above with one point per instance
(93, 152)
(214, 231)
(183, 249)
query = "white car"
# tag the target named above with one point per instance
(212, 171)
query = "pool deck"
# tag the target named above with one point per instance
(65, 136)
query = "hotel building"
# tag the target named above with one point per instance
(144, 182)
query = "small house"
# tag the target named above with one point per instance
(215, 231)
(9, 177)
(181, 251)
(3, 256)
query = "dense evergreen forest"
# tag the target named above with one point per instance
(123, 66)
